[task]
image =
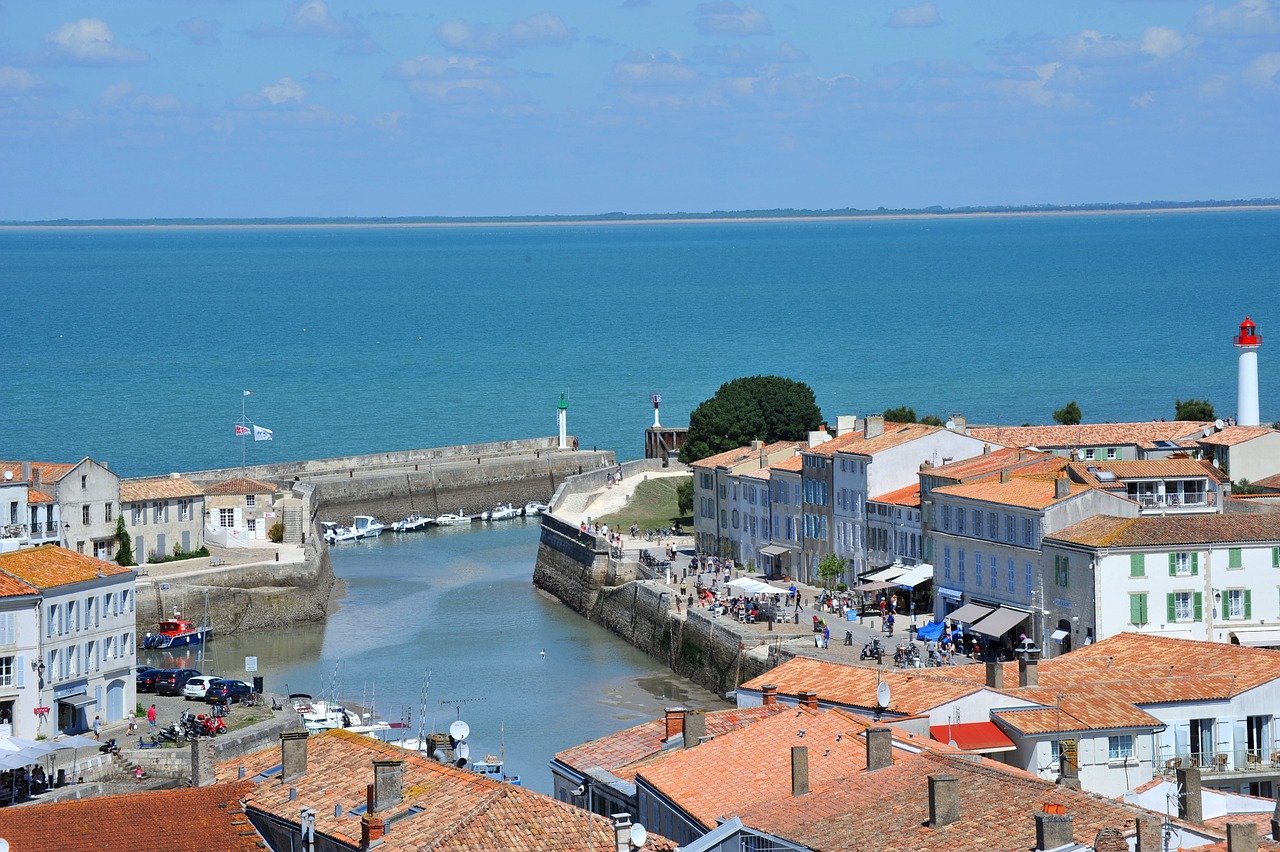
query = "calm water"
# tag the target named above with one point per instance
(133, 346)
(460, 604)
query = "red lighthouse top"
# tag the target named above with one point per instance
(1248, 335)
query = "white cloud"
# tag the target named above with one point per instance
(19, 81)
(1143, 100)
(89, 41)
(321, 77)
(462, 91)
(1246, 18)
(1096, 48)
(739, 56)
(924, 15)
(116, 92)
(310, 18)
(1161, 42)
(661, 68)
(539, 30)
(201, 32)
(725, 17)
(388, 121)
(1263, 70)
(283, 91)
(429, 67)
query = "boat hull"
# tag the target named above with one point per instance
(165, 640)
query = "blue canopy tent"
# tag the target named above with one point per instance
(930, 631)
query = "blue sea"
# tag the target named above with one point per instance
(134, 345)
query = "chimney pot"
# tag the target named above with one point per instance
(371, 830)
(799, 770)
(695, 727)
(1242, 837)
(986, 449)
(293, 755)
(879, 749)
(675, 721)
(1190, 802)
(1061, 486)
(769, 694)
(808, 699)
(995, 675)
(1053, 828)
(1028, 671)
(1004, 475)
(944, 800)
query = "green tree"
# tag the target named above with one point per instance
(1068, 415)
(124, 544)
(276, 533)
(1244, 486)
(752, 408)
(830, 567)
(901, 414)
(1192, 409)
(931, 420)
(684, 497)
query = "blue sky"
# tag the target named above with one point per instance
(417, 107)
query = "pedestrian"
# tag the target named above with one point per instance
(137, 774)
(97, 727)
(888, 623)
(151, 717)
(133, 723)
(826, 636)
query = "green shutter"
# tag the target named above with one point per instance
(1248, 603)
(1234, 558)
(1137, 609)
(1137, 566)
(1066, 571)
(1173, 607)
(1275, 557)
(1173, 564)
(1195, 564)
(1197, 607)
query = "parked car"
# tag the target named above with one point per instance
(197, 686)
(227, 691)
(171, 681)
(147, 678)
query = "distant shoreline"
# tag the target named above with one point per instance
(631, 220)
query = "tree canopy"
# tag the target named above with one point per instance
(901, 414)
(751, 408)
(1192, 409)
(1068, 415)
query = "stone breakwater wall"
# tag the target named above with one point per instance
(243, 597)
(713, 653)
(592, 482)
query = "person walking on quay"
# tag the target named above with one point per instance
(133, 723)
(151, 717)
(826, 636)
(97, 727)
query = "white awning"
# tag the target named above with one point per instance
(1257, 638)
(916, 576)
(948, 593)
(773, 550)
(970, 613)
(1058, 635)
(890, 572)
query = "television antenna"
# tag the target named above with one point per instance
(458, 702)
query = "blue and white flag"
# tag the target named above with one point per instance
(248, 393)
(260, 434)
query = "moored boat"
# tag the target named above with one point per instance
(175, 632)
(501, 513)
(449, 519)
(368, 526)
(334, 533)
(534, 509)
(411, 523)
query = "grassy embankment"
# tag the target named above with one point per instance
(653, 506)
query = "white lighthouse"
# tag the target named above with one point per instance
(564, 421)
(656, 399)
(1248, 341)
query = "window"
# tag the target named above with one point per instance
(251, 500)
(1138, 609)
(995, 579)
(960, 521)
(126, 601)
(1112, 455)
(6, 672)
(137, 513)
(1090, 454)
(227, 517)
(1027, 577)
(84, 482)
(157, 512)
(1275, 557)
(184, 509)
(106, 512)
(1235, 558)
(1120, 747)
(1010, 581)
(946, 523)
(91, 612)
(1061, 570)
(51, 621)
(993, 526)
(960, 566)
(1137, 566)
(1184, 564)
(1239, 603)
(8, 628)
(946, 562)
(84, 514)
(977, 568)
(735, 519)
(1026, 531)
(1185, 606)
(1008, 528)
(977, 523)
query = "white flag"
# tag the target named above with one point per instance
(260, 434)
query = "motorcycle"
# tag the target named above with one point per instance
(171, 733)
(873, 650)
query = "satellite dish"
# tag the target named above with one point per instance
(1131, 797)
(951, 424)
(953, 744)
(1218, 424)
(1208, 430)
(464, 751)
(459, 730)
(882, 694)
(639, 836)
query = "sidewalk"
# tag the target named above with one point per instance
(607, 501)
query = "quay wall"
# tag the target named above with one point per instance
(591, 482)
(712, 653)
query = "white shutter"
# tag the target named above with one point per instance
(20, 671)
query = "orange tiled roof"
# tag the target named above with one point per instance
(894, 436)
(1171, 530)
(729, 458)
(154, 821)
(793, 463)
(1005, 458)
(242, 485)
(159, 488)
(909, 496)
(1143, 435)
(619, 753)
(461, 811)
(34, 496)
(1233, 435)
(857, 440)
(1145, 469)
(1028, 492)
(13, 587)
(1095, 711)
(758, 473)
(50, 566)
(49, 471)
(855, 686)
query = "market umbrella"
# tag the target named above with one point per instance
(19, 744)
(76, 741)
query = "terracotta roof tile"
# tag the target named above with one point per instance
(203, 818)
(895, 437)
(242, 485)
(1144, 435)
(909, 496)
(51, 566)
(1081, 710)
(160, 488)
(34, 496)
(793, 463)
(13, 587)
(1172, 530)
(759, 473)
(1028, 492)
(49, 471)
(1233, 435)
(1011, 458)
(855, 686)
(1146, 469)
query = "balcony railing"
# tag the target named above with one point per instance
(1266, 760)
(1188, 501)
(13, 531)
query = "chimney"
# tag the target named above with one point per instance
(695, 727)
(26, 471)
(1190, 803)
(961, 423)
(621, 832)
(986, 449)
(764, 455)
(371, 830)
(1061, 486)
(875, 426)
(769, 694)
(388, 784)
(37, 478)
(1150, 838)
(293, 755)
(879, 749)
(1028, 672)
(1004, 475)
(845, 424)
(944, 800)
(1053, 827)
(204, 756)
(675, 721)
(799, 770)
(808, 699)
(1242, 837)
(995, 675)
(1110, 840)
